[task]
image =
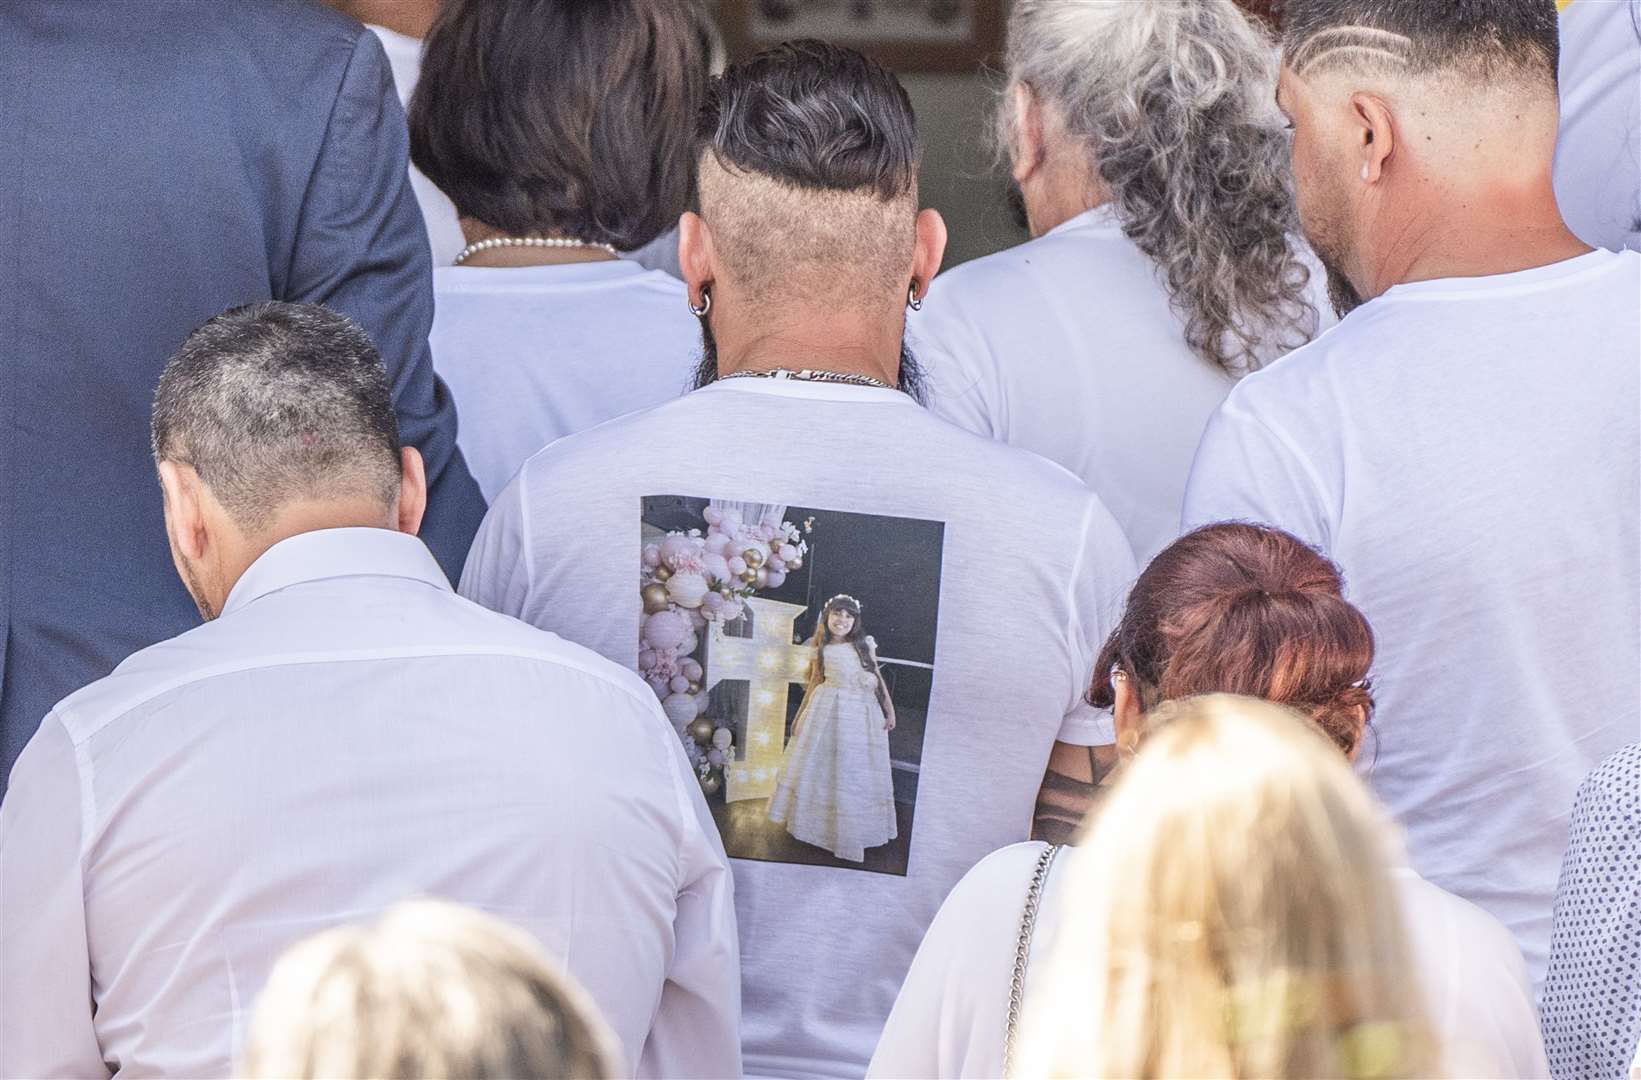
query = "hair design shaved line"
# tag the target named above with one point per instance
(1356, 42)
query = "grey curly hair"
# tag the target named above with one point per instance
(1172, 102)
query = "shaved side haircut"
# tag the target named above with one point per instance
(809, 158)
(1482, 40)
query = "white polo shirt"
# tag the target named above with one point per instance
(348, 734)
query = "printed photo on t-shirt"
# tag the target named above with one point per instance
(793, 650)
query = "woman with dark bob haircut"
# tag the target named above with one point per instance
(562, 131)
(1229, 608)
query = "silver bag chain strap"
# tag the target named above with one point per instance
(1022, 952)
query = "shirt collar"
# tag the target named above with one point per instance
(1103, 216)
(333, 553)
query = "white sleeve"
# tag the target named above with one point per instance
(697, 1027)
(498, 574)
(1099, 582)
(45, 962)
(1491, 1027)
(1248, 469)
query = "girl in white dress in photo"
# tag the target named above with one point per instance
(835, 789)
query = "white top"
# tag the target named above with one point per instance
(1031, 572)
(1598, 149)
(952, 1013)
(1467, 451)
(533, 353)
(348, 734)
(444, 234)
(1066, 345)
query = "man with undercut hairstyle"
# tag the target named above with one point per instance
(1465, 442)
(343, 732)
(920, 662)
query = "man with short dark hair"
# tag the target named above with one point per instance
(1465, 443)
(343, 732)
(845, 602)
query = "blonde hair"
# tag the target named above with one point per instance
(431, 989)
(1235, 915)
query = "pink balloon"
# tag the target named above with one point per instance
(712, 515)
(737, 566)
(652, 556)
(787, 553)
(712, 604)
(646, 659)
(692, 669)
(777, 578)
(680, 709)
(679, 684)
(674, 546)
(666, 630)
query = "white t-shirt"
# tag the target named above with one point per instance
(1467, 451)
(987, 578)
(952, 1012)
(404, 56)
(1598, 149)
(1066, 346)
(532, 353)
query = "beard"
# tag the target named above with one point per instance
(911, 380)
(1014, 203)
(197, 591)
(1325, 234)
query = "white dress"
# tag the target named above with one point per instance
(835, 790)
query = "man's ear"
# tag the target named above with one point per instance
(412, 491)
(697, 257)
(1375, 134)
(928, 249)
(1026, 141)
(184, 514)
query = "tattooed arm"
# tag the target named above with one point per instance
(1070, 788)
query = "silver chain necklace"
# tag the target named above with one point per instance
(528, 241)
(812, 375)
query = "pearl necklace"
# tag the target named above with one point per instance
(528, 241)
(812, 375)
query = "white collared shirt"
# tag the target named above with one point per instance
(348, 734)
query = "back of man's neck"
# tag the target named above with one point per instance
(837, 345)
(1478, 233)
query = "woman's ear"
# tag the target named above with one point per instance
(1127, 715)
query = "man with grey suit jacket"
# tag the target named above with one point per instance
(165, 161)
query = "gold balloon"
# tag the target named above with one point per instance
(700, 729)
(754, 557)
(655, 597)
(750, 576)
(763, 577)
(710, 785)
(662, 573)
(794, 564)
(694, 688)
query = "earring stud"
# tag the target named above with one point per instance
(706, 305)
(911, 298)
